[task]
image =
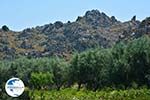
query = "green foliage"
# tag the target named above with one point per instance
(41, 80)
(117, 73)
(131, 62)
(91, 68)
(120, 67)
(138, 60)
(4, 67)
(59, 70)
(71, 94)
(23, 67)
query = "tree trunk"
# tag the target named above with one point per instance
(79, 86)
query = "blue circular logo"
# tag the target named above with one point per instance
(14, 87)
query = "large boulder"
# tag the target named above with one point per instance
(58, 24)
(5, 28)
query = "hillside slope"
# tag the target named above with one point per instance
(94, 29)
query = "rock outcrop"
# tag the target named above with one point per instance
(94, 29)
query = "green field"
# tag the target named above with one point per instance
(73, 94)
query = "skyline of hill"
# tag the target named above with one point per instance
(94, 29)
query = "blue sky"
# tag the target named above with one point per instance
(20, 14)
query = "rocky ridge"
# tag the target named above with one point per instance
(94, 29)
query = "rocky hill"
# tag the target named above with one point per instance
(94, 29)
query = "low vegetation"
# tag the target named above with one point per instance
(72, 94)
